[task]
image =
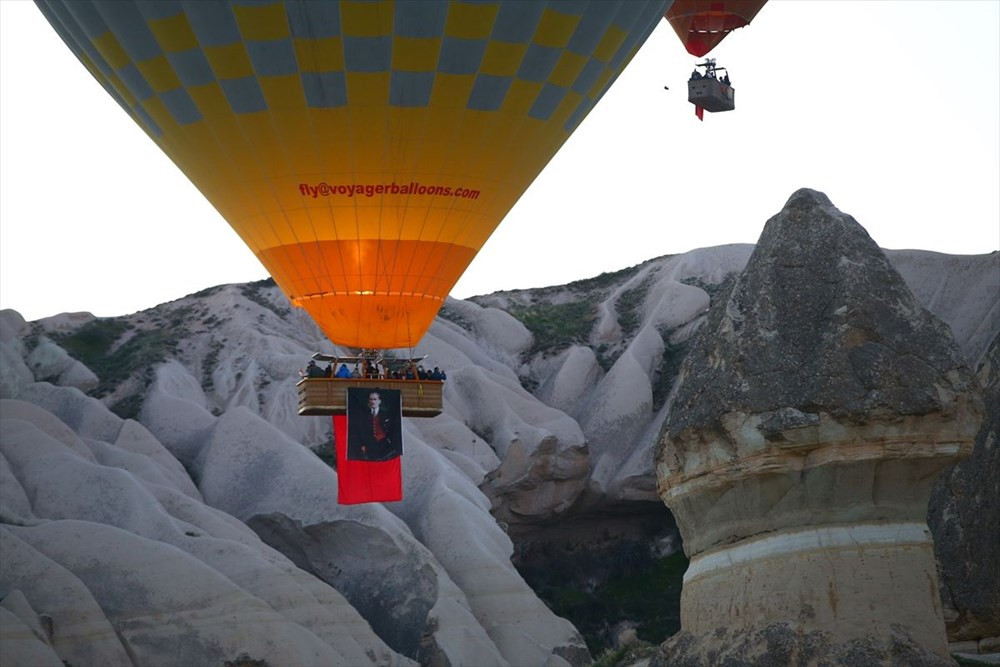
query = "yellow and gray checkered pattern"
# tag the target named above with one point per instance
(151, 54)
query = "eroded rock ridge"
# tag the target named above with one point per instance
(813, 413)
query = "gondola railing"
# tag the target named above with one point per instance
(328, 396)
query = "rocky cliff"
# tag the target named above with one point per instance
(159, 493)
(964, 516)
(817, 406)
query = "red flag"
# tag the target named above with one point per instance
(365, 480)
(699, 112)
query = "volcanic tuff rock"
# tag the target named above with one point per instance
(964, 515)
(187, 496)
(149, 566)
(819, 321)
(811, 416)
(203, 433)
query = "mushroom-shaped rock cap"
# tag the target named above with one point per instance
(818, 323)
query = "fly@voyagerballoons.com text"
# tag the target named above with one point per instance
(370, 190)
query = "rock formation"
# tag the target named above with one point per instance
(196, 534)
(816, 408)
(964, 515)
(189, 450)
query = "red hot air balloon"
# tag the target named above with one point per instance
(702, 24)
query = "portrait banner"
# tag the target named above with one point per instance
(369, 447)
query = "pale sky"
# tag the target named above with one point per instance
(890, 107)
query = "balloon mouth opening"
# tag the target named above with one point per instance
(300, 300)
(701, 30)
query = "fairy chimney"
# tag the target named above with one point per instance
(816, 408)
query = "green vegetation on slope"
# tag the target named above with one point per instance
(254, 292)
(93, 344)
(556, 326)
(668, 369)
(629, 307)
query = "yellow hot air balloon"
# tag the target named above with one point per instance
(364, 151)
